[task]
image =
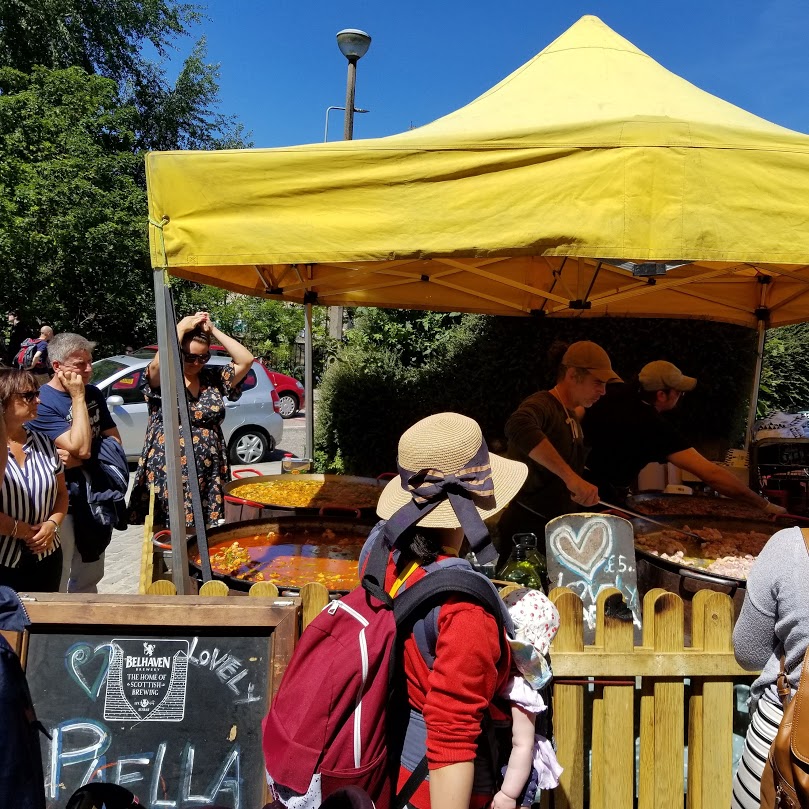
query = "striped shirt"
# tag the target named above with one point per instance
(29, 493)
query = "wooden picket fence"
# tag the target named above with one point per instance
(608, 693)
(667, 716)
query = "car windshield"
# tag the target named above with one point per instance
(103, 369)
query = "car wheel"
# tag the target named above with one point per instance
(251, 445)
(287, 405)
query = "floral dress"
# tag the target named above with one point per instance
(207, 412)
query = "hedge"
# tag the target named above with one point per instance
(487, 365)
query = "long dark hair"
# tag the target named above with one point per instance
(419, 544)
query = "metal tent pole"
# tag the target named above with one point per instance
(763, 315)
(751, 412)
(309, 447)
(170, 373)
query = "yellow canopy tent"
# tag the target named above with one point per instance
(589, 155)
(591, 181)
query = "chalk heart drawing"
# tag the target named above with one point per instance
(583, 552)
(83, 660)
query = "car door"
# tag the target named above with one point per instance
(129, 410)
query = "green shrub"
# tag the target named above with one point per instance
(785, 374)
(367, 399)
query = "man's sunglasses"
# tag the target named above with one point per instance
(193, 358)
(28, 395)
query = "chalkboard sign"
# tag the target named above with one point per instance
(588, 552)
(164, 696)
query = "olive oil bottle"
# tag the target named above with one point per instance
(525, 566)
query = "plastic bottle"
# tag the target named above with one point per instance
(525, 566)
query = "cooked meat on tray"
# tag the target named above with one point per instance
(724, 553)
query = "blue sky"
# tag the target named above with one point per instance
(281, 68)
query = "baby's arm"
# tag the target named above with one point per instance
(520, 760)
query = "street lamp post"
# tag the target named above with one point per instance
(353, 44)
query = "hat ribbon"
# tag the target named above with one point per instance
(430, 487)
(429, 484)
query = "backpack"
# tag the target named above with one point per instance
(25, 356)
(341, 712)
(785, 780)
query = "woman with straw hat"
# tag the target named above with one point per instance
(448, 484)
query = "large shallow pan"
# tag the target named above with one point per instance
(684, 580)
(238, 509)
(296, 544)
(659, 504)
(729, 524)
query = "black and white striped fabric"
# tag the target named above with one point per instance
(28, 494)
(760, 736)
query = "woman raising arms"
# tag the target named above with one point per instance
(206, 389)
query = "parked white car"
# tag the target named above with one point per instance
(252, 426)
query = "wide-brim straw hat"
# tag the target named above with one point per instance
(447, 442)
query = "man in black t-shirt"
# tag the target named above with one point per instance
(545, 434)
(626, 429)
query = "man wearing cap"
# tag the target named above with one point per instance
(545, 433)
(626, 430)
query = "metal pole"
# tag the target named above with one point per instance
(336, 312)
(326, 127)
(762, 313)
(751, 412)
(309, 446)
(351, 82)
(169, 374)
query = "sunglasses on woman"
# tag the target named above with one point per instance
(193, 358)
(28, 395)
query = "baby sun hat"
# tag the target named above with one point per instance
(536, 622)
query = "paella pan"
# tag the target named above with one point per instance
(267, 496)
(287, 551)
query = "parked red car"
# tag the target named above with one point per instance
(291, 393)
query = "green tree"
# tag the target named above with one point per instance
(785, 371)
(72, 230)
(99, 37)
(412, 335)
(79, 104)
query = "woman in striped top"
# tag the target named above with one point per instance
(33, 497)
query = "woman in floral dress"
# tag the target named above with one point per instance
(206, 389)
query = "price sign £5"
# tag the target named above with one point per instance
(589, 552)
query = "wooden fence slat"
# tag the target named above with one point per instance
(646, 780)
(615, 631)
(568, 704)
(161, 587)
(668, 705)
(314, 597)
(214, 588)
(646, 769)
(147, 549)
(717, 708)
(263, 589)
(696, 711)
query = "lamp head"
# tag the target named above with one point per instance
(353, 43)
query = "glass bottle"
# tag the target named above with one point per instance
(525, 566)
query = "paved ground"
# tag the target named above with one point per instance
(123, 558)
